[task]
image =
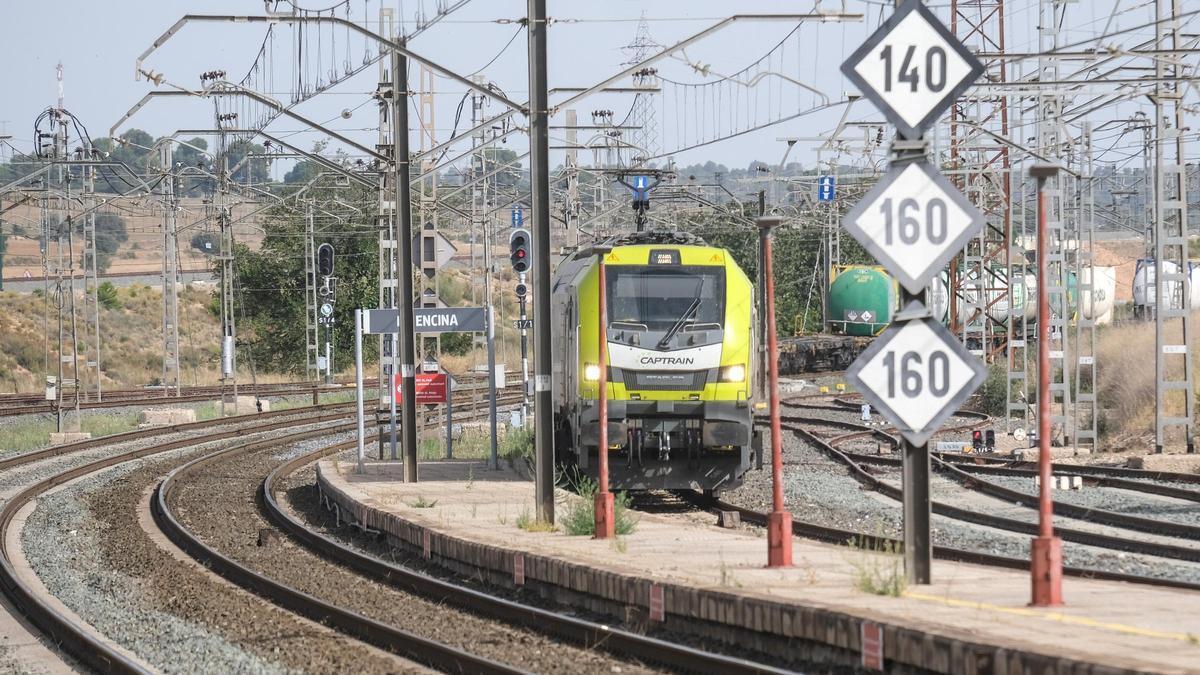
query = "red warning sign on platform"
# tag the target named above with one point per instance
(431, 388)
(872, 645)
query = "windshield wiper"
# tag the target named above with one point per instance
(666, 339)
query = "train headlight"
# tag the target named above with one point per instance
(734, 373)
(591, 372)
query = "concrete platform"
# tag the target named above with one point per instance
(683, 571)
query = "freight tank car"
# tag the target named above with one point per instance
(680, 346)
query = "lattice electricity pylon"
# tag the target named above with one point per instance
(92, 387)
(1174, 370)
(427, 239)
(1085, 279)
(643, 117)
(1050, 105)
(385, 218)
(981, 295)
(170, 274)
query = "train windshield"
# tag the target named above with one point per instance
(658, 297)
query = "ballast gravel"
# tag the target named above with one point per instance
(217, 504)
(87, 546)
(821, 491)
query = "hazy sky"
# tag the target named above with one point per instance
(98, 43)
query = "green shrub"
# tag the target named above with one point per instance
(106, 294)
(517, 446)
(580, 518)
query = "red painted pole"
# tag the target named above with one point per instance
(779, 521)
(604, 512)
(1046, 551)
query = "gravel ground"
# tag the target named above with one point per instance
(218, 505)
(298, 494)
(1114, 499)
(821, 491)
(949, 491)
(87, 546)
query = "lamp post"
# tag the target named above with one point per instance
(779, 522)
(1046, 551)
(605, 519)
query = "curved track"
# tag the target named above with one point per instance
(63, 630)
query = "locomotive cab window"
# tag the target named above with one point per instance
(659, 297)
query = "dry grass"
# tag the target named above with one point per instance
(1125, 358)
(131, 339)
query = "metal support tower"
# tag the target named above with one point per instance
(93, 388)
(1085, 321)
(1050, 142)
(1173, 330)
(571, 176)
(170, 274)
(1018, 329)
(228, 322)
(481, 223)
(539, 173)
(643, 116)
(979, 282)
(386, 223)
(428, 244)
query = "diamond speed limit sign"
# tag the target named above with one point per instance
(912, 68)
(913, 221)
(917, 374)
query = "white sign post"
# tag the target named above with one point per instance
(914, 221)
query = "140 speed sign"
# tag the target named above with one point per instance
(917, 373)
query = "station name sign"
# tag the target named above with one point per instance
(429, 320)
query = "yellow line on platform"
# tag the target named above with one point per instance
(1055, 616)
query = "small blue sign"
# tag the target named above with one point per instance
(641, 185)
(518, 217)
(826, 188)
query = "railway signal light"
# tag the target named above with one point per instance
(522, 290)
(518, 247)
(325, 260)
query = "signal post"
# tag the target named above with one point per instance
(518, 254)
(914, 221)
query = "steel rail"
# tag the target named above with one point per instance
(1100, 516)
(588, 634)
(385, 636)
(24, 458)
(74, 638)
(1140, 484)
(1080, 469)
(880, 543)
(854, 463)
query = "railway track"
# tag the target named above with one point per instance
(62, 628)
(570, 639)
(827, 434)
(29, 404)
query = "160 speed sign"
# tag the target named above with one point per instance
(913, 221)
(917, 373)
